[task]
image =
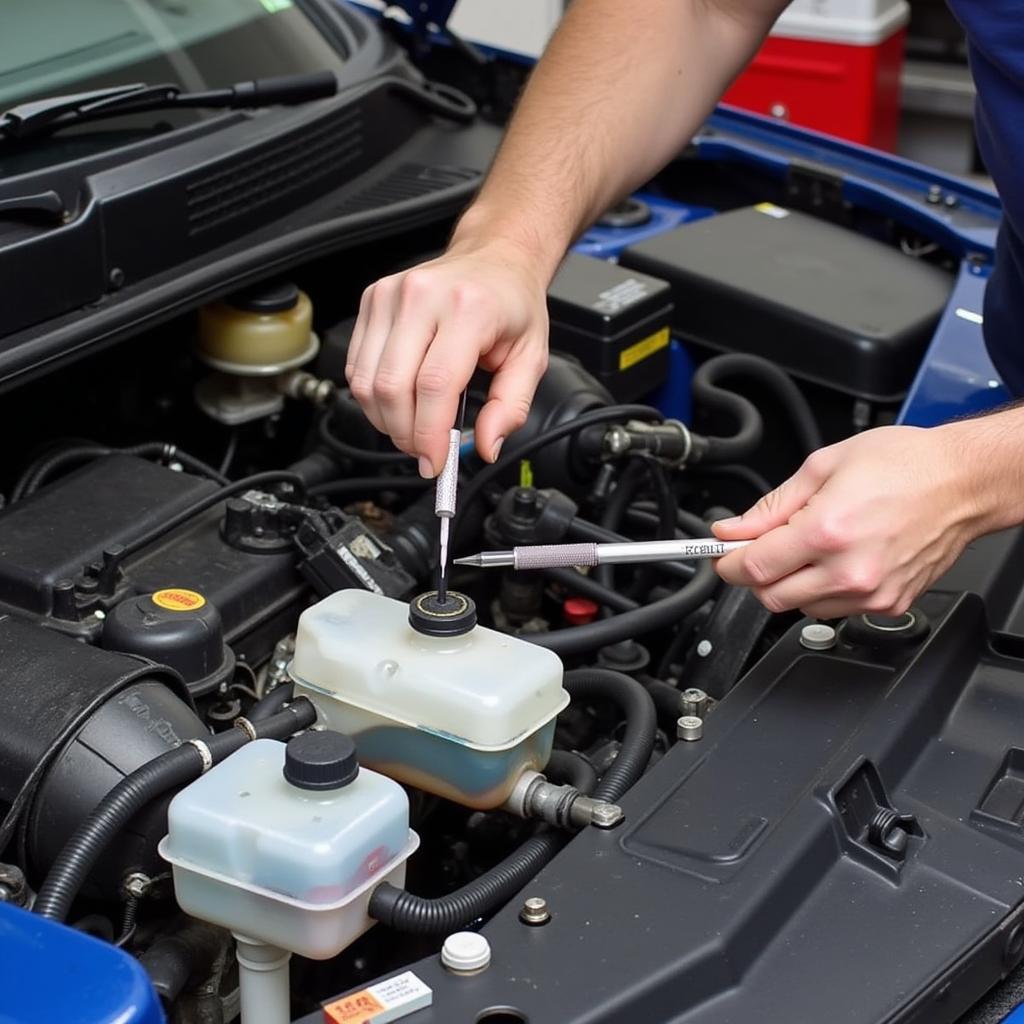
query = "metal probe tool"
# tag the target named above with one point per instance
(445, 496)
(561, 556)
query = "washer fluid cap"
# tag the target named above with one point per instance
(429, 616)
(465, 951)
(321, 760)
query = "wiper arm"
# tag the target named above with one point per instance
(58, 112)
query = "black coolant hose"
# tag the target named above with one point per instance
(272, 703)
(708, 394)
(667, 611)
(571, 769)
(169, 771)
(405, 912)
(588, 684)
(706, 391)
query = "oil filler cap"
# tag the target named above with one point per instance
(432, 617)
(321, 760)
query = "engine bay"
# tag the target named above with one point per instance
(239, 725)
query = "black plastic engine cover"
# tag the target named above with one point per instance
(62, 529)
(828, 304)
(748, 883)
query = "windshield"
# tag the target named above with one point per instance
(49, 47)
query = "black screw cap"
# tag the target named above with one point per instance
(274, 297)
(432, 617)
(321, 760)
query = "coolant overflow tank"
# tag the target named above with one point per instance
(461, 716)
(286, 846)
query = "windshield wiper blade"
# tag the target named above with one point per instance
(56, 112)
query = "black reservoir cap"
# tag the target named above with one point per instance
(321, 760)
(432, 617)
(176, 627)
(266, 297)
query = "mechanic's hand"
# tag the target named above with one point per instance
(421, 334)
(864, 525)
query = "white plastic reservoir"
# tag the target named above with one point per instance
(459, 716)
(288, 863)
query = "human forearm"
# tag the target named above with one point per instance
(620, 90)
(990, 452)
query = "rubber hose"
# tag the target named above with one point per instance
(173, 959)
(665, 502)
(405, 912)
(577, 640)
(781, 384)
(645, 513)
(744, 474)
(199, 506)
(150, 450)
(667, 699)
(750, 430)
(349, 451)
(572, 769)
(615, 511)
(362, 484)
(168, 771)
(639, 714)
(513, 454)
(272, 703)
(586, 586)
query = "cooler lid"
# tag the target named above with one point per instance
(853, 22)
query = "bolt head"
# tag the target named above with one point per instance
(704, 648)
(137, 884)
(535, 911)
(606, 815)
(689, 728)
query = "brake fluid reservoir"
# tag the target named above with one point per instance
(460, 715)
(285, 845)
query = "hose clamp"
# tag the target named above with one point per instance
(204, 753)
(684, 430)
(247, 727)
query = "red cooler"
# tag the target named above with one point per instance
(833, 65)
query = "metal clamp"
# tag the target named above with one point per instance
(204, 753)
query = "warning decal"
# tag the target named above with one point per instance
(174, 599)
(640, 350)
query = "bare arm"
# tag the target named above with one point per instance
(620, 90)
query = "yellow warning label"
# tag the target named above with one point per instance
(772, 210)
(640, 350)
(176, 600)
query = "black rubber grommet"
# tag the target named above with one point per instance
(427, 615)
(321, 760)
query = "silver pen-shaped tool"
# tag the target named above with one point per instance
(557, 556)
(445, 497)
